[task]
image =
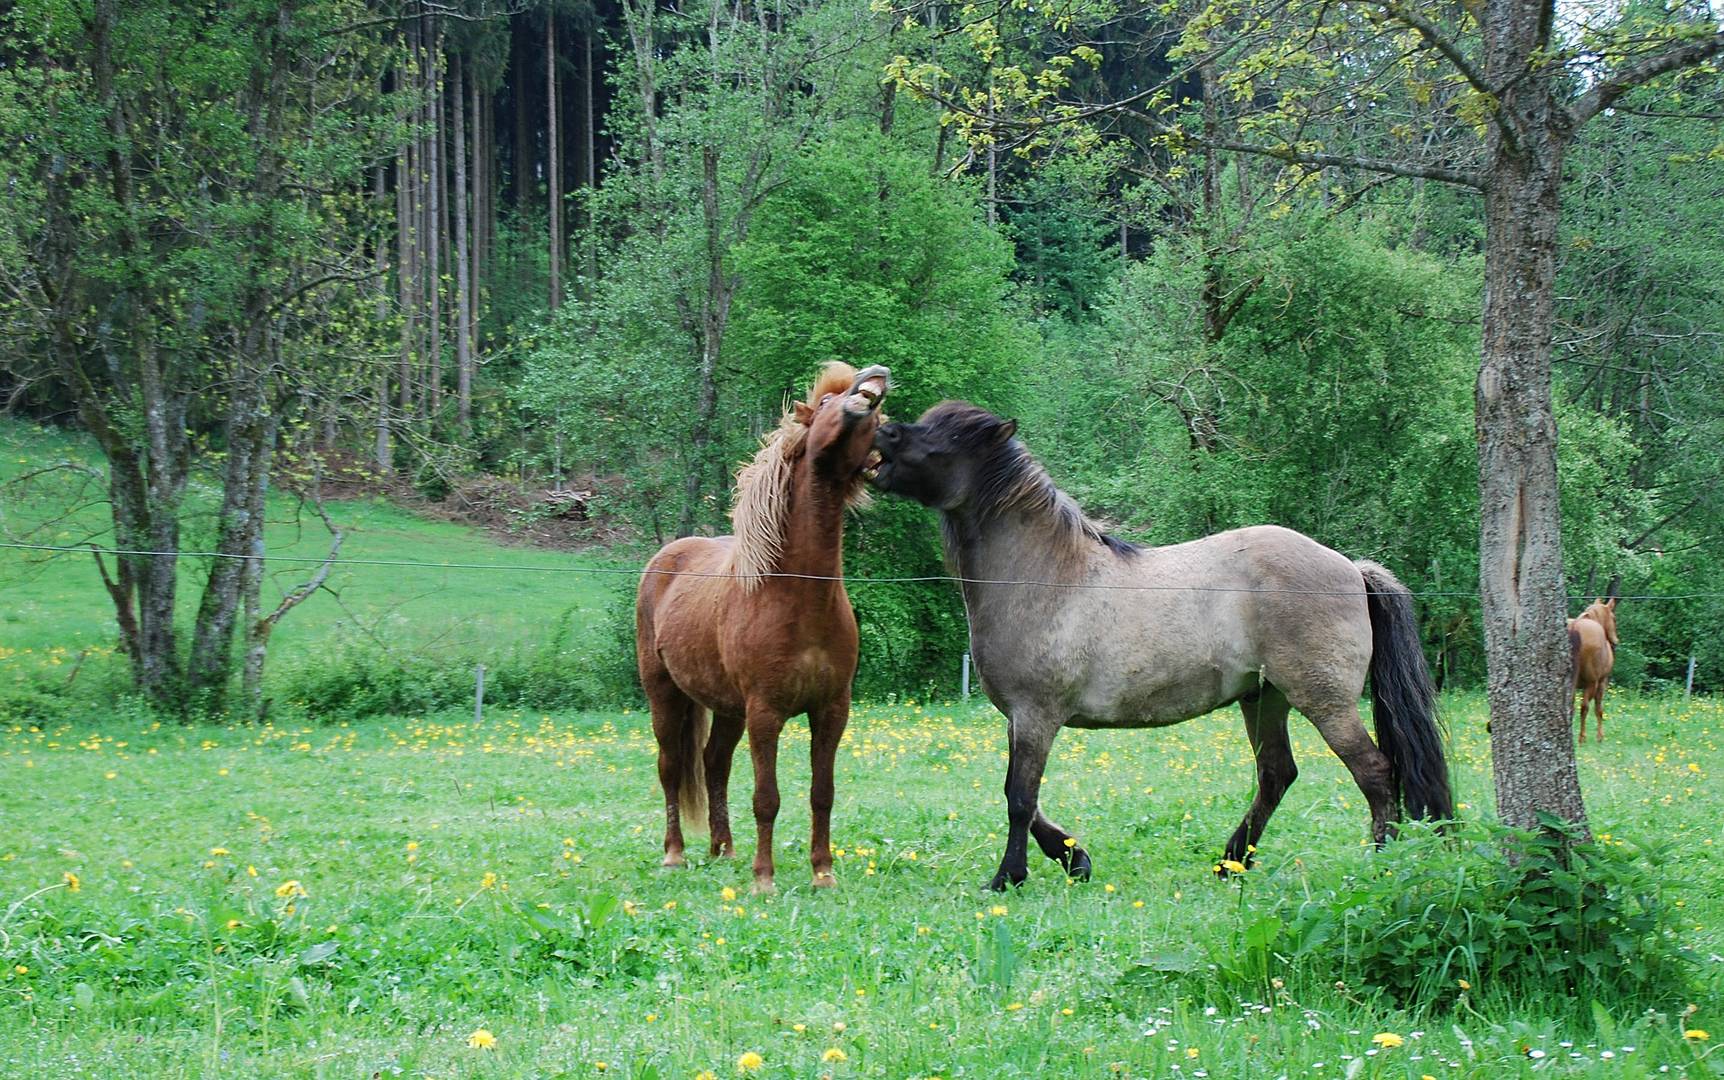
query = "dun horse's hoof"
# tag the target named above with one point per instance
(1079, 870)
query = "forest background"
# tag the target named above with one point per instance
(263, 256)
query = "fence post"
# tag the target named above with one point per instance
(1688, 691)
(966, 677)
(479, 694)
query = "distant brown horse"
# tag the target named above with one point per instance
(1591, 652)
(756, 627)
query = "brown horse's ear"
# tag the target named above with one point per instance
(1007, 429)
(804, 413)
(1612, 604)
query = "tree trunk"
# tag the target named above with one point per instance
(553, 161)
(521, 167)
(436, 229)
(463, 264)
(592, 161)
(1520, 526)
(715, 313)
(382, 451)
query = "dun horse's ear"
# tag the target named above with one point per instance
(1006, 430)
(804, 413)
(1612, 604)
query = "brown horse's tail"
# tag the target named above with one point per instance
(1403, 699)
(690, 767)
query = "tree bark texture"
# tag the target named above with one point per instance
(1520, 526)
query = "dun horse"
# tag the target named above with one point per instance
(1070, 626)
(1591, 652)
(756, 627)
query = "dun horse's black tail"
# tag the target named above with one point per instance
(1403, 699)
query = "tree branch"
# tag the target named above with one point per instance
(1674, 58)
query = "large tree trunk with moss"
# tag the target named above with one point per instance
(1520, 521)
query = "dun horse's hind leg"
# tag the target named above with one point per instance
(764, 725)
(1340, 727)
(826, 727)
(1266, 727)
(672, 713)
(720, 752)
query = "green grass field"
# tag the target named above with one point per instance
(54, 611)
(333, 900)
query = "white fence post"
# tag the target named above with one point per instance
(479, 694)
(965, 682)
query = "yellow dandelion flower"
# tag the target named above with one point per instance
(21, 969)
(705, 1074)
(833, 1054)
(727, 894)
(997, 909)
(749, 1062)
(1014, 1006)
(234, 924)
(1463, 984)
(1107, 888)
(1387, 1039)
(482, 1039)
(489, 881)
(1070, 841)
(1191, 1051)
(799, 1028)
(601, 1066)
(1696, 1035)
(838, 1027)
(1233, 865)
(288, 888)
(220, 851)
(73, 882)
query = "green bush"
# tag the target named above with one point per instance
(1437, 916)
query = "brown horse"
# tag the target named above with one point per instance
(1591, 652)
(756, 627)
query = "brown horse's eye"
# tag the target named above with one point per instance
(824, 398)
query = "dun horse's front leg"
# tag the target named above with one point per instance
(826, 727)
(1031, 738)
(764, 725)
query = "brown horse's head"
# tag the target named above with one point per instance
(833, 430)
(840, 416)
(1603, 612)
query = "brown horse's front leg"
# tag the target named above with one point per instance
(764, 725)
(826, 727)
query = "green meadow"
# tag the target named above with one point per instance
(416, 894)
(423, 897)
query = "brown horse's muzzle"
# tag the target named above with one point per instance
(868, 390)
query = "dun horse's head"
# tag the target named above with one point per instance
(939, 460)
(1603, 612)
(841, 415)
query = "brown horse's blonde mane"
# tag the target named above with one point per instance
(762, 496)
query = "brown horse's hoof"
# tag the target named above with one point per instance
(672, 859)
(824, 879)
(763, 886)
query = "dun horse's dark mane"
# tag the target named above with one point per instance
(1009, 478)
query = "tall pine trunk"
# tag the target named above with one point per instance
(553, 161)
(463, 264)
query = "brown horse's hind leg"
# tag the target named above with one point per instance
(1266, 727)
(720, 752)
(826, 727)
(1340, 727)
(764, 725)
(673, 712)
(1598, 708)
